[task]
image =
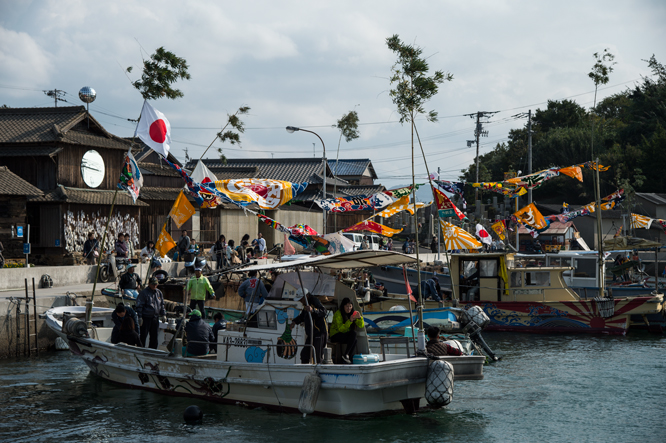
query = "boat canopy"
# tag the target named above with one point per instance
(346, 260)
(621, 243)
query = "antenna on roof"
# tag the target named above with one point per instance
(87, 96)
(56, 94)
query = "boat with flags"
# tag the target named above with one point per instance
(256, 362)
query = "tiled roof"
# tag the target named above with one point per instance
(156, 169)
(330, 181)
(352, 167)
(67, 124)
(29, 151)
(12, 184)
(144, 151)
(87, 197)
(362, 190)
(151, 193)
(555, 228)
(312, 193)
(296, 170)
(234, 172)
(657, 199)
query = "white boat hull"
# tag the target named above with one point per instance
(345, 389)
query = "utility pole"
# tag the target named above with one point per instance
(478, 132)
(56, 94)
(529, 147)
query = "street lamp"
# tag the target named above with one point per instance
(291, 130)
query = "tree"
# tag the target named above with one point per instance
(229, 135)
(160, 71)
(411, 89)
(348, 126)
(602, 67)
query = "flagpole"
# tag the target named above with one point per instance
(106, 230)
(99, 262)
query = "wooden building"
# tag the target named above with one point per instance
(69, 156)
(14, 193)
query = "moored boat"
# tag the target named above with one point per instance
(257, 365)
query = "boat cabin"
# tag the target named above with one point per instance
(498, 277)
(271, 339)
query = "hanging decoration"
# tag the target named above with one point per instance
(456, 239)
(499, 229)
(356, 203)
(445, 207)
(182, 210)
(401, 205)
(368, 225)
(401, 192)
(131, 179)
(530, 215)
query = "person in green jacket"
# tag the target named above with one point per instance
(343, 329)
(197, 288)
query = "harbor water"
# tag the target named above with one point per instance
(562, 388)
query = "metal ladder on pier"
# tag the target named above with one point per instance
(30, 339)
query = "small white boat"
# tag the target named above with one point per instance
(258, 366)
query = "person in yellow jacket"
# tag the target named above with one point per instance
(343, 329)
(197, 288)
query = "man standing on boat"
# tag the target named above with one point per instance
(149, 308)
(259, 245)
(253, 292)
(183, 244)
(313, 311)
(196, 289)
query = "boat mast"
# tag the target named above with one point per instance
(600, 245)
(419, 309)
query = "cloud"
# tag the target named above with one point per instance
(24, 63)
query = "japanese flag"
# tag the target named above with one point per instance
(154, 130)
(483, 234)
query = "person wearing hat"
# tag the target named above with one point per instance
(196, 289)
(431, 289)
(130, 282)
(149, 308)
(199, 335)
(437, 347)
(313, 312)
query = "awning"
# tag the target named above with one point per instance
(346, 260)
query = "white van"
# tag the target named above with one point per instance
(374, 242)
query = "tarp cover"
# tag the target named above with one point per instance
(619, 243)
(346, 260)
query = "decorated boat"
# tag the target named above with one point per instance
(537, 299)
(256, 363)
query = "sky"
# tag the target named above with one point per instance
(306, 64)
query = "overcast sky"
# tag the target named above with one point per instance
(307, 63)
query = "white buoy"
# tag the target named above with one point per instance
(439, 383)
(309, 394)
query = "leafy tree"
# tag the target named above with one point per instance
(599, 74)
(232, 135)
(411, 89)
(160, 71)
(348, 126)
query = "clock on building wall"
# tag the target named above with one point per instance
(92, 168)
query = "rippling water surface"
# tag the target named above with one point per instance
(546, 388)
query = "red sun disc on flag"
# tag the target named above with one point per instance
(483, 233)
(158, 131)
